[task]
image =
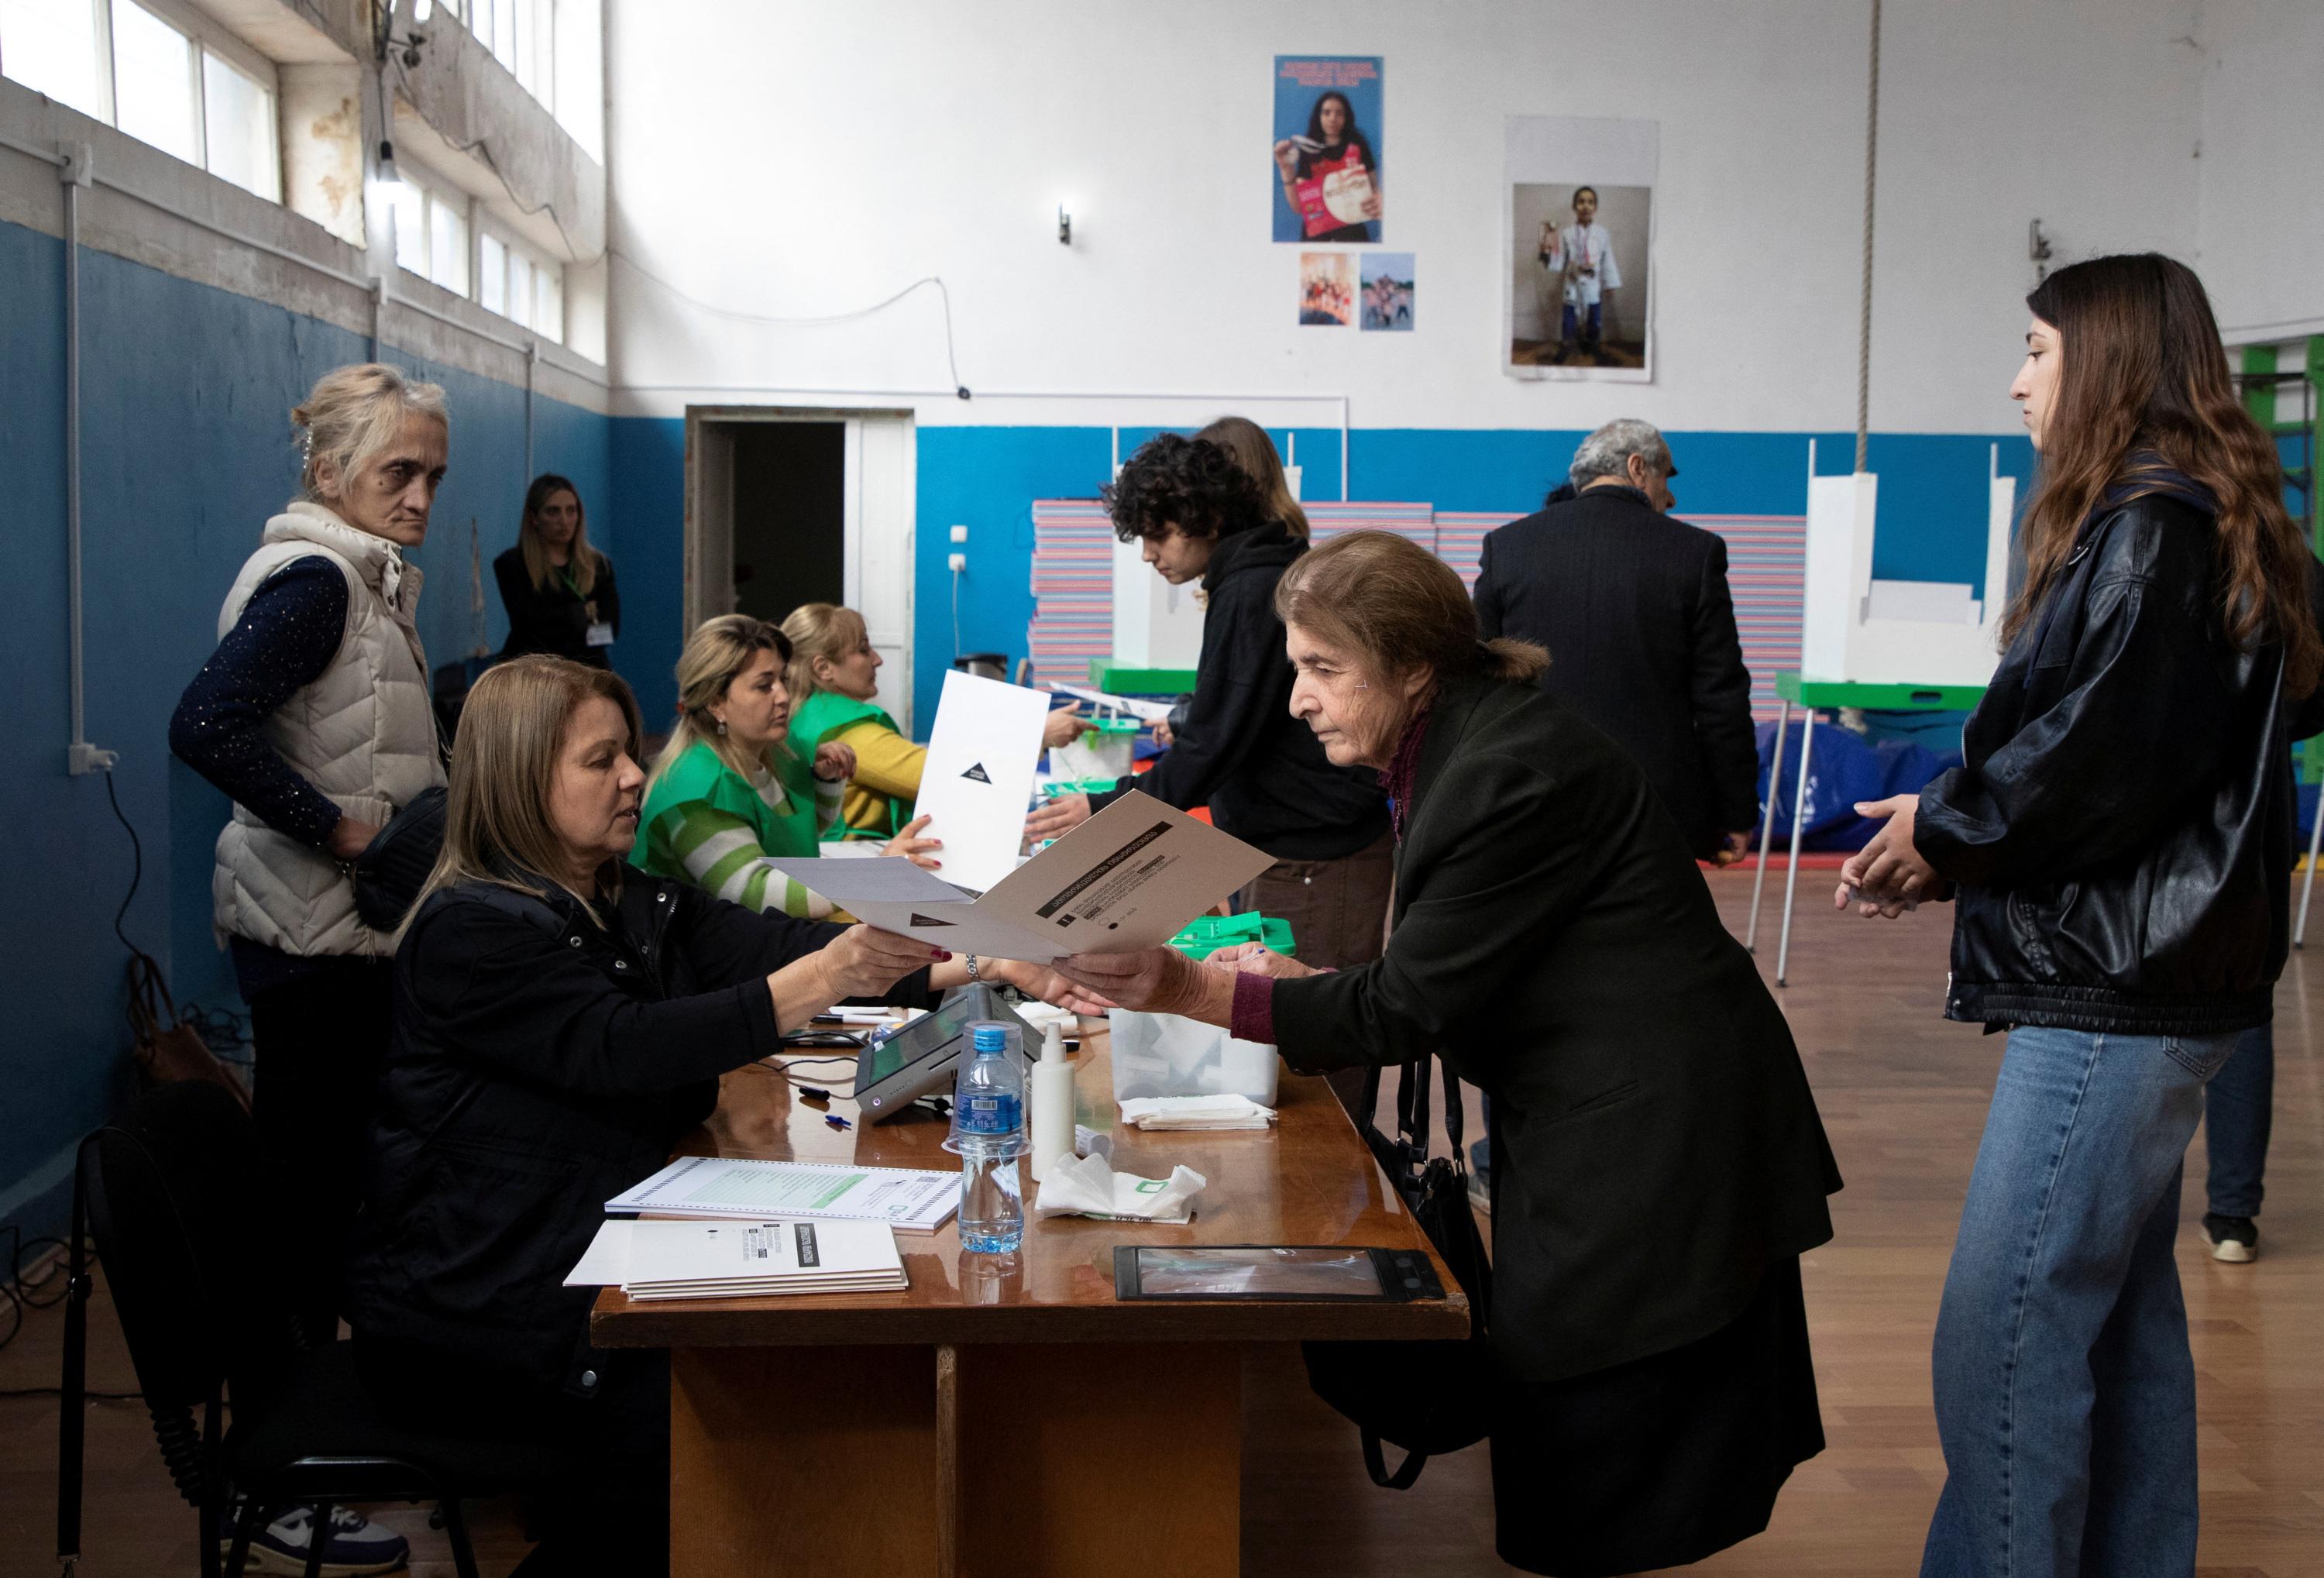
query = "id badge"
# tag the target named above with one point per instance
(601, 635)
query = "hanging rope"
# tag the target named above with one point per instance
(1864, 322)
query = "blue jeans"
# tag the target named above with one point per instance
(1590, 319)
(2065, 1391)
(2236, 1111)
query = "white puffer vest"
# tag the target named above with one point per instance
(362, 732)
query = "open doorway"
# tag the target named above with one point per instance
(786, 506)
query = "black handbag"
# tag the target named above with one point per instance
(394, 865)
(1425, 1398)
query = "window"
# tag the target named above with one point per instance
(57, 50)
(526, 289)
(492, 288)
(154, 89)
(238, 128)
(521, 34)
(161, 71)
(432, 233)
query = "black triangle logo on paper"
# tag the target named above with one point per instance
(919, 919)
(978, 774)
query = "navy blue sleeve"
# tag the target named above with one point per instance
(288, 634)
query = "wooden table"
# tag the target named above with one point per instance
(1005, 1413)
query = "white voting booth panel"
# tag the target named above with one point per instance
(1903, 633)
(1155, 626)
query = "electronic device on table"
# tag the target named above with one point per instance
(1332, 1273)
(919, 1059)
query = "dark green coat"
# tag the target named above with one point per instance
(1655, 1141)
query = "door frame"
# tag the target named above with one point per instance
(877, 539)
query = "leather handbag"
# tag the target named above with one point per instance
(164, 1046)
(394, 865)
(1425, 1398)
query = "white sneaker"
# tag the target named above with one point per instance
(354, 1545)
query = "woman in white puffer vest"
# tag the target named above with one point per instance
(313, 716)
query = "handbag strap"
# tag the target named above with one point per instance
(1412, 1121)
(152, 1009)
(1376, 1465)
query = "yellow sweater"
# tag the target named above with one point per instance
(887, 770)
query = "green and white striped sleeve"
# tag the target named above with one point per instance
(720, 855)
(828, 800)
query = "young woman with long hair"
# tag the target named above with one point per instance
(559, 591)
(2118, 843)
(1334, 149)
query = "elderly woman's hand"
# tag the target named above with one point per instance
(1159, 980)
(1259, 959)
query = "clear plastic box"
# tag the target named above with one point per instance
(1164, 1055)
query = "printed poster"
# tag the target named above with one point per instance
(1327, 147)
(1577, 294)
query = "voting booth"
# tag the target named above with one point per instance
(1897, 632)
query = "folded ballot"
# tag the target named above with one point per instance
(740, 1259)
(1222, 1111)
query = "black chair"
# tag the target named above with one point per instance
(172, 1194)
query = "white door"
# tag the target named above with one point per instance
(881, 504)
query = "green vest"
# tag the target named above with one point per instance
(701, 777)
(824, 716)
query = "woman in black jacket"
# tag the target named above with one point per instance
(560, 1022)
(1658, 1165)
(2119, 843)
(559, 591)
(1201, 512)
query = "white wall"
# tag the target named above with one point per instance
(800, 158)
(2263, 166)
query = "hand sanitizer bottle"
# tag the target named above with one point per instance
(1053, 1104)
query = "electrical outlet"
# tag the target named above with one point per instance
(959, 562)
(82, 759)
(960, 534)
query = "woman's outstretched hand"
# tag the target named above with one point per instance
(1159, 980)
(834, 762)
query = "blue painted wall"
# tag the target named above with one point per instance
(1933, 510)
(186, 450)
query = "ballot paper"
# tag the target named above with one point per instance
(907, 1200)
(1087, 1186)
(978, 779)
(740, 1259)
(1130, 877)
(1144, 712)
(1222, 1111)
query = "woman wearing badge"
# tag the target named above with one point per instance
(559, 591)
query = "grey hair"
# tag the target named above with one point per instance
(352, 413)
(1607, 452)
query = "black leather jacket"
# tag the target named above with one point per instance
(2123, 827)
(540, 1065)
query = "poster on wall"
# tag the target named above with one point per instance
(1387, 279)
(1327, 290)
(1577, 292)
(1327, 146)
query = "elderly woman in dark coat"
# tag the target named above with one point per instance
(1659, 1165)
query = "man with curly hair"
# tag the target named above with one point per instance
(1202, 517)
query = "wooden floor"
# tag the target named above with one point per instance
(1903, 1094)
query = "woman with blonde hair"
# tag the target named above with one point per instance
(560, 1020)
(1247, 444)
(559, 591)
(833, 677)
(728, 791)
(313, 716)
(1658, 1165)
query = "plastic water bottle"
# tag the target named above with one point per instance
(989, 1116)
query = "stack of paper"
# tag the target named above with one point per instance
(741, 1259)
(906, 1199)
(1195, 1112)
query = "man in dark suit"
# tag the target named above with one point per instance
(1635, 611)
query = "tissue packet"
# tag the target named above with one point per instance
(1089, 1187)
